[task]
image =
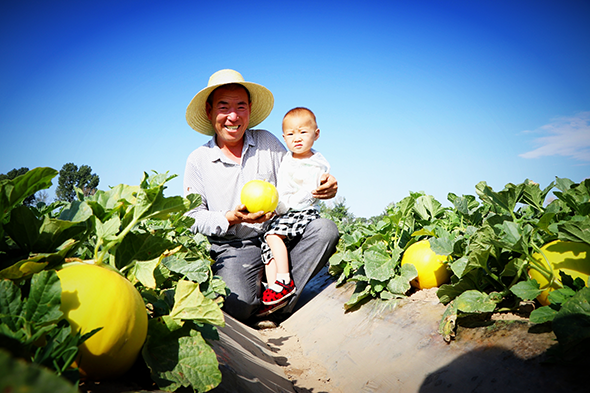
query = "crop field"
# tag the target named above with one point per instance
(158, 313)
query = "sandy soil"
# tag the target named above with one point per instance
(306, 375)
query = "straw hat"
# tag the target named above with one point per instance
(262, 101)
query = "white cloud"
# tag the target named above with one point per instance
(566, 136)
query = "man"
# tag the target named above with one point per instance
(227, 109)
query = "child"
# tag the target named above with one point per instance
(299, 174)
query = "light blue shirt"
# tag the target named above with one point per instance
(219, 181)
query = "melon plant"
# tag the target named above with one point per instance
(493, 240)
(107, 278)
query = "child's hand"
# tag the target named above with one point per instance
(327, 189)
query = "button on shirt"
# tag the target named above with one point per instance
(219, 181)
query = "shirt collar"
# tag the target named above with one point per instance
(217, 154)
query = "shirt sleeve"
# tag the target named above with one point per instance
(208, 223)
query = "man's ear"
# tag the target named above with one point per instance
(208, 110)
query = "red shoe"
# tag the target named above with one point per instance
(270, 297)
(265, 310)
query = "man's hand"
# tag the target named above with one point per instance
(241, 214)
(327, 189)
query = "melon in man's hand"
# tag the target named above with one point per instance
(259, 195)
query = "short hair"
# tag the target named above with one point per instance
(300, 111)
(230, 86)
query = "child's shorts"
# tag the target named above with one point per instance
(289, 225)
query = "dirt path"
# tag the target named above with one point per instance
(306, 375)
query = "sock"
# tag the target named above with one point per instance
(285, 278)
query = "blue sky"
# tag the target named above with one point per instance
(430, 96)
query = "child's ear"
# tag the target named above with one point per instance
(317, 134)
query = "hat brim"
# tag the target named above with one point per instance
(262, 104)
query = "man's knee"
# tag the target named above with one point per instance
(239, 309)
(323, 230)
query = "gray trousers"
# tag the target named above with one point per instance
(240, 265)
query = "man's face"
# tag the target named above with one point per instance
(229, 112)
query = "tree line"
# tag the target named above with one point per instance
(71, 177)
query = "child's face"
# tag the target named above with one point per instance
(299, 132)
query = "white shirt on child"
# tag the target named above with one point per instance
(297, 178)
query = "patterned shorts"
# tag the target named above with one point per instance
(290, 225)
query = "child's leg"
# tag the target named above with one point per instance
(278, 267)
(279, 252)
(270, 270)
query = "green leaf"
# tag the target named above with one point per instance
(76, 212)
(448, 292)
(428, 208)
(442, 245)
(572, 323)
(38, 262)
(400, 284)
(42, 235)
(197, 271)
(107, 230)
(526, 290)
(353, 240)
(506, 199)
(577, 230)
(13, 192)
(577, 197)
(140, 247)
(379, 265)
(514, 267)
(180, 358)
(190, 304)
(474, 301)
(533, 195)
(163, 207)
(458, 267)
(42, 305)
(19, 376)
(511, 234)
(10, 305)
(23, 227)
(479, 249)
(460, 203)
(542, 315)
(361, 291)
(563, 184)
(55, 232)
(560, 296)
(447, 324)
(144, 272)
